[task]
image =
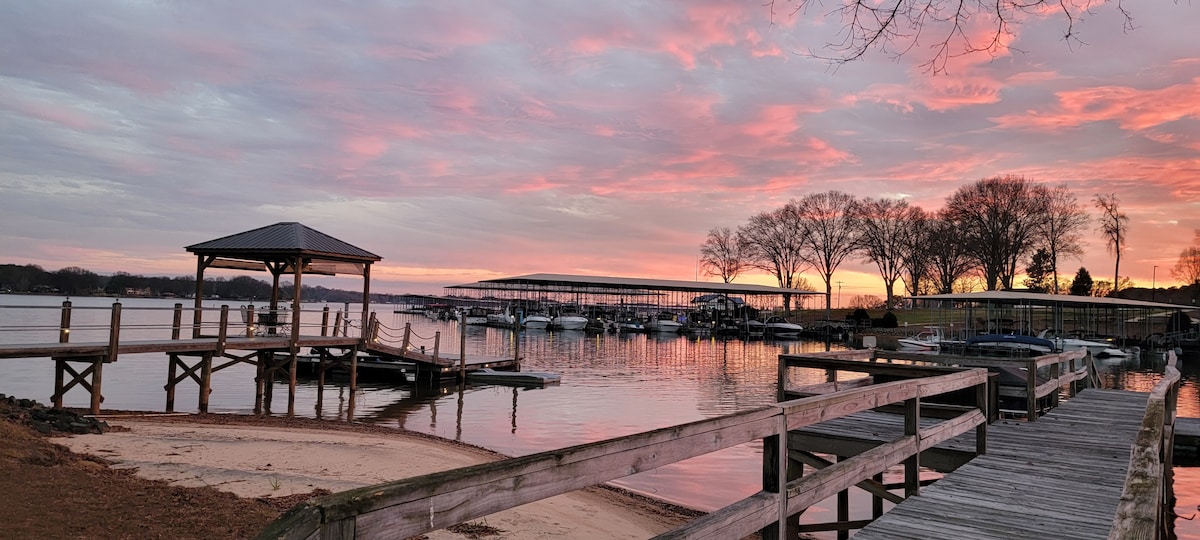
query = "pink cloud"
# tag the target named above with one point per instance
(1130, 108)
(940, 93)
(369, 146)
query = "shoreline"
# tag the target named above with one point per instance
(267, 457)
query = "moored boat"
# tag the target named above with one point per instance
(928, 339)
(665, 323)
(780, 328)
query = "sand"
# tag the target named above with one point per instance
(262, 461)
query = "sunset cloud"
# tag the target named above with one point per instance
(462, 140)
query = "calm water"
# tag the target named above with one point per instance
(611, 386)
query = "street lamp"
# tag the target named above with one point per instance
(1153, 276)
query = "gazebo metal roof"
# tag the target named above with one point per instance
(285, 241)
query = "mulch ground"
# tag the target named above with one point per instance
(51, 492)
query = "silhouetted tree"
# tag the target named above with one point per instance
(884, 226)
(830, 224)
(916, 260)
(947, 27)
(1061, 230)
(1082, 284)
(1039, 271)
(773, 242)
(723, 253)
(998, 219)
(949, 260)
(1114, 224)
(1187, 268)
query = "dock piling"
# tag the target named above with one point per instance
(64, 325)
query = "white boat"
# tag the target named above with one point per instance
(1097, 348)
(665, 323)
(472, 316)
(536, 321)
(503, 320)
(1010, 344)
(778, 327)
(928, 339)
(568, 321)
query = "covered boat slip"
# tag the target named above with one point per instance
(621, 292)
(1126, 322)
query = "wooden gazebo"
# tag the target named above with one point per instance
(287, 248)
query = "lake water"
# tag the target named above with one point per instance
(611, 386)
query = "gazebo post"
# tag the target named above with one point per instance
(294, 341)
(196, 318)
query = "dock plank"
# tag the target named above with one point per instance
(1058, 477)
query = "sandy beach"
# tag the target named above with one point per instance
(253, 460)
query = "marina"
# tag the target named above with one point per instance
(937, 408)
(614, 384)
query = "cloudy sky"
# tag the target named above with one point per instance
(467, 140)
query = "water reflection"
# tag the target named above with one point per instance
(613, 385)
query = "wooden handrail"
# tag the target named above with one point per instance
(1142, 512)
(417, 505)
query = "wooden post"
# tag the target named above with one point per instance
(774, 478)
(437, 339)
(843, 508)
(1031, 390)
(172, 360)
(407, 337)
(114, 332)
(981, 403)
(250, 320)
(294, 339)
(205, 381)
(912, 465)
(876, 500)
(64, 325)
(59, 371)
(261, 359)
(371, 331)
(517, 341)
(337, 324)
(1055, 374)
(353, 371)
(325, 321)
(223, 331)
(462, 349)
(177, 321)
(197, 317)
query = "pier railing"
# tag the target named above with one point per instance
(1043, 375)
(161, 323)
(418, 505)
(1146, 504)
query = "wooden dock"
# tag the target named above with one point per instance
(1059, 477)
(198, 349)
(1097, 466)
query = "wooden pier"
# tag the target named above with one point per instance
(197, 349)
(1096, 466)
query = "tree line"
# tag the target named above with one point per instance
(987, 234)
(75, 281)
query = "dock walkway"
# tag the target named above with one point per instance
(1058, 477)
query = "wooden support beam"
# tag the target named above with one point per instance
(874, 487)
(912, 465)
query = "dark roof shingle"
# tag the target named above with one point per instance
(286, 238)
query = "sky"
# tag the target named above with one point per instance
(471, 140)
